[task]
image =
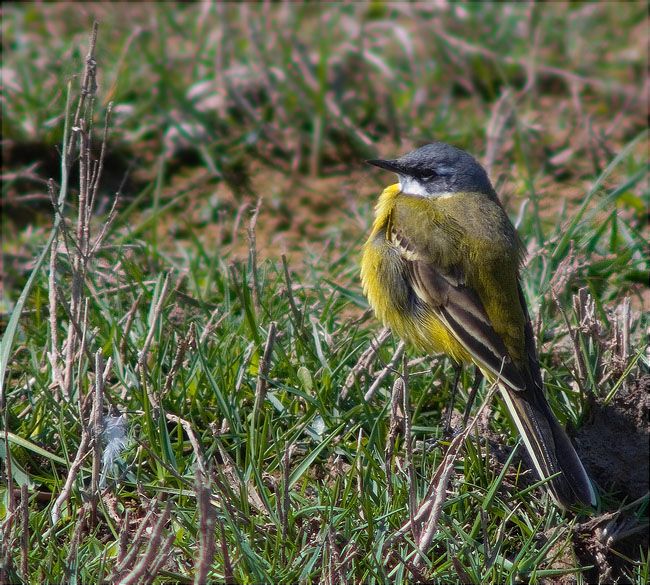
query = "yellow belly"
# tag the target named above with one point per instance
(387, 290)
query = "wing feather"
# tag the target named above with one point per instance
(461, 310)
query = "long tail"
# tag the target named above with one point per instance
(549, 447)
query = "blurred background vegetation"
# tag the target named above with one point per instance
(258, 96)
(222, 109)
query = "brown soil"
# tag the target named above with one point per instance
(614, 447)
(614, 443)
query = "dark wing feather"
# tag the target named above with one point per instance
(461, 310)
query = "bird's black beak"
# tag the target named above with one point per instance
(389, 165)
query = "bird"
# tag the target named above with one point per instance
(442, 269)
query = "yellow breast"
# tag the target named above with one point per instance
(389, 292)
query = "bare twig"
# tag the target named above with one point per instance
(126, 559)
(78, 326)
(79, 529)
(83, 400)
(162, 554)
(88, 84)
(82, 130)
(124, 537)
(112, 214)
(97, 174)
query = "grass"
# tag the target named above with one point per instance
(237, 374)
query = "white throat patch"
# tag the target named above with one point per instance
(412, 186)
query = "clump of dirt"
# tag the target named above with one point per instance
(616, 453)
(614, 443)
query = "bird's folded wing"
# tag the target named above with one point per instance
(461, 310)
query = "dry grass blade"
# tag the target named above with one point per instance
(228, 571)
(286, 498)
(53, 354)
(193, 440)
(359, 469)
(24, 538)
(263, 374)
(391, 367)
(396, 421)
(157, 310)
(155, 553)
(297, 316)
(183, 345)
(126, 556)
(252, 254)
(364, 361)
(229, 471)
(97, 429)
(82, 452)
(7, 526)
(408, 438)
(207, 520)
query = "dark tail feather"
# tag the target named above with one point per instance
(549, 447)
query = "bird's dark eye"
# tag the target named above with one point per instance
(427, 176)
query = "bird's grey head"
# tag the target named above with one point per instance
(437, 169)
